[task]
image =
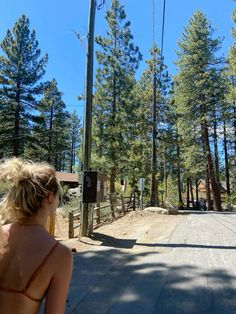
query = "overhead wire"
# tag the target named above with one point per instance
(163, 27)
(162, 38)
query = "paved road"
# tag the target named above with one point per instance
(192, 271)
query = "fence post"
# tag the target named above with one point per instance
(112, 203)
(134, 201)
(122, 204)
(98, 213)
(71, 225)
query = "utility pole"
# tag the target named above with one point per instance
(154, 199)
(154, 191)
(88, 109)
(154, 196)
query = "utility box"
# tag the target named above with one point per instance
(94, 186)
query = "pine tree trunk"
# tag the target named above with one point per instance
(112, 181)
(188, 196)
(191, 192)
(217, 170)
(113, 153)
(16, 133)
(208, 191)
(226, 162)
(72, 155)
(16, 141)
(212, 178)
(211, 171)
(100, 148)
(50, 137)
(165, 175)
(180, 206)
(197, 197)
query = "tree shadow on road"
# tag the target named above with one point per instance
(110, 241)
(109, 280)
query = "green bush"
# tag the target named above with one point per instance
(230, 201)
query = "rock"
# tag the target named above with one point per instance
(168, 210)
(172, 210)
(157, 210)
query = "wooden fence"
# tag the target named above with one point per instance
(117, 206)
(73, 215)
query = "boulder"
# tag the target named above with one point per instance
(157, 210)
(172, 209)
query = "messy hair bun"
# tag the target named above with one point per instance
(29, 183)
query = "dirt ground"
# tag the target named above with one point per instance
(127, 232)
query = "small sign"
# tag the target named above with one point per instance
(141, 184)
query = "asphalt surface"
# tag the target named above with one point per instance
(193, 271)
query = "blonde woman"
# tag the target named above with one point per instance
(33, 265)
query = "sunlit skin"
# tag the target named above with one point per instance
(26, 247)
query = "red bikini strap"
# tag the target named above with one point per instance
(32, 278)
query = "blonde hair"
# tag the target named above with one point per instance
(29, 183)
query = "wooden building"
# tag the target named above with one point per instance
(69, 179)
(202, 189)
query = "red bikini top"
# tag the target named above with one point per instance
(32, 278)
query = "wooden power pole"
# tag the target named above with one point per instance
(154, 190)
(88, 109)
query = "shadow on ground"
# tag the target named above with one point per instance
(113, 242)
(204, 212)
(114, 282)
(110, 241)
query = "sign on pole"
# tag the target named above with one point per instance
(141, 188)
(141, 184)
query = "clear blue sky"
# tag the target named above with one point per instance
(54, 21)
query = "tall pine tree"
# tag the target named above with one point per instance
(231, 99)
(21, 71)
(51, 133)
(196, 61)
(118, 59)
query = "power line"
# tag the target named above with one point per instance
(163, 24)
(162, 37)
(163, 27)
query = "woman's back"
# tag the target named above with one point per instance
(29, 261)
(32, 264)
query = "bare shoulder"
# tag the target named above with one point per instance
(59, 284)
(62, 263)
(63, 249)
(63, 254)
